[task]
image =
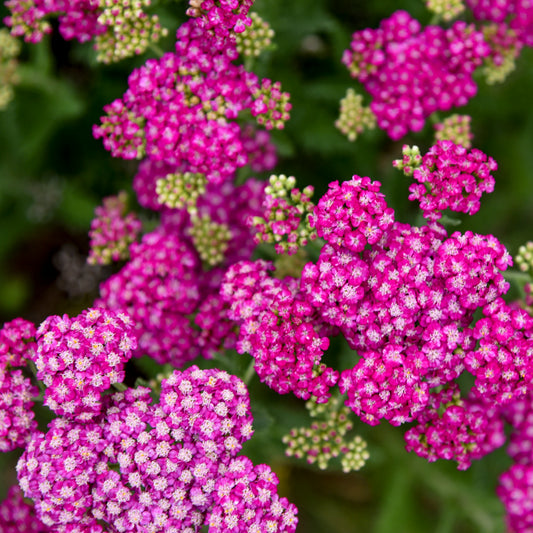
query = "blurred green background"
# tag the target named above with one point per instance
(53, 174)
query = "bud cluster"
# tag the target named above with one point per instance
(9, 50)
(210, 239)
(181, 190)
(455, 128)
(325, 439)
(285, 222)
(354, 117)
(255, 38)
(129, 30)
(505, 47)
(410, 161)
(445, 9)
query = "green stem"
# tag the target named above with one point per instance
(517, 277)
(33, 369)
(156, 50)
(250, 371)
(120, 387)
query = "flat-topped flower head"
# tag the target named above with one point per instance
(452, 177)
(246, 501)
(58, 470)
(352, 214)
(17, 421)
(18, 516)
(158, 288)
(412, 72)
(17, 343)
(79, 358)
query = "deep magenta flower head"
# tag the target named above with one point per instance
(470, 266)
(352, 214)
(246, 501)
(502, 364)
(158, 288)
(17, 516)
(79, 358)
(58, 470)
(514, 490)
(452, 177)
(280, 329)
(16, 415)
(17, 342)
(455, 428)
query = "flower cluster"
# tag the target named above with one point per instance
(79, 358)
(280, 330)
(451, 177)
(16, 515)
(78, 19)
(112, 231)
(516, 483)
(144, 468)
(17, 343)
(120, 29)
(518, 13)
(181, 108)
(411, 72)
(285, 222)
(158, 288)
(456, 429)
(223, 18)
(352, 214)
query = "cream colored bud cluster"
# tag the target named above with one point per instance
(354, 117)
(505, 49)
(179, 191)
(410, 161)
(286, 220)
(255, 38)
(210, 239)
(455, 128)
(524, 258)
(445, 9)
(325, 439)
(129, 29)
(9, 50)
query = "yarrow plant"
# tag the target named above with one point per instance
(135, 413)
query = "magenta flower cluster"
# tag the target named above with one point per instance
(412, 72)
(17, 423)
(452, 177)
(518, 14)
(145, 468)
(221, 17)
(112, 231)
(79, 358)
(78, 19)
(16, 515)
(181, 109)
(280, 329)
